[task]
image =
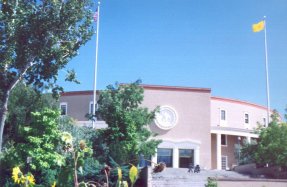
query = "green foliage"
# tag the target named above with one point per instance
(271, 147)
(133, 175)
(38, 38)
(39, 141)
(127, 134)
(22, 102)
(67, 124)
(211, 182)
(75, 156)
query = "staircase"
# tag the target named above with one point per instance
(171, 177)
(179, 177)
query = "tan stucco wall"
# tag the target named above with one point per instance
(78, 105)
(235, 114)
(193, 109)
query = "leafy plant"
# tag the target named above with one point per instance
(133, 175)
(272, 139)
(211, 182)
(75, 158)
(38, 141)
(38, 38)
(127, 134)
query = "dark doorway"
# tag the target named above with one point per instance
(186, 157)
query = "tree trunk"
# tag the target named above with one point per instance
(3, 116)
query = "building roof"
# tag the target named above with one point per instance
(74, 93)
(145, 86)
(175, 88)
(238, 102)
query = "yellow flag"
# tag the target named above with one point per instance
(257, 27)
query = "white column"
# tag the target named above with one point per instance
(175, 158)
(154, 160)
(196, 156)
(248, 138)
(218, 151)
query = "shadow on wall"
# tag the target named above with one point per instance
(154, 128)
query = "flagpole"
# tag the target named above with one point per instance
(96, 66)
(266, 70)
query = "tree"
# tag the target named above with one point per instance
(22, 102)
(271, 147)
(127, 134)
(38, 140)
(38, 38)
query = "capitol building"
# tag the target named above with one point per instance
(194, 126)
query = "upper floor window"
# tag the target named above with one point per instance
(264, 122)
(246, 118)
(223, 139)
(91, 107)
(63, 108)
(222, 115)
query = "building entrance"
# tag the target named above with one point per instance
(164, 155)
(186, 157)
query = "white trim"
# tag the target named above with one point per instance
(247, 125)
(182, 144)
(176, 145)
(246, 113)
(99, 124)
(196, 156)
(234, 133)
(175, 158)
(170, 120)
(154, 159)
(248, 138)
(264, 123)
(64, 104)
(218, 151)
(222, 122)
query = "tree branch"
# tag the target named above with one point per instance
(21, 74)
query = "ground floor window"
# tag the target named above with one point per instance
(224, 163)
(186, 158)
(164, 155)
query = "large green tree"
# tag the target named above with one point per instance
(37, 38)
(22, 102)
(271, 146)
(127, 134)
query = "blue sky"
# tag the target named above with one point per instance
(192, 43)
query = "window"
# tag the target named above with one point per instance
(164, 155)
(264, 122)
(246, 118)
(223, 139)
(91, 107)
(186, 158)
(224, 163)
(63, 108)
(222, 115)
